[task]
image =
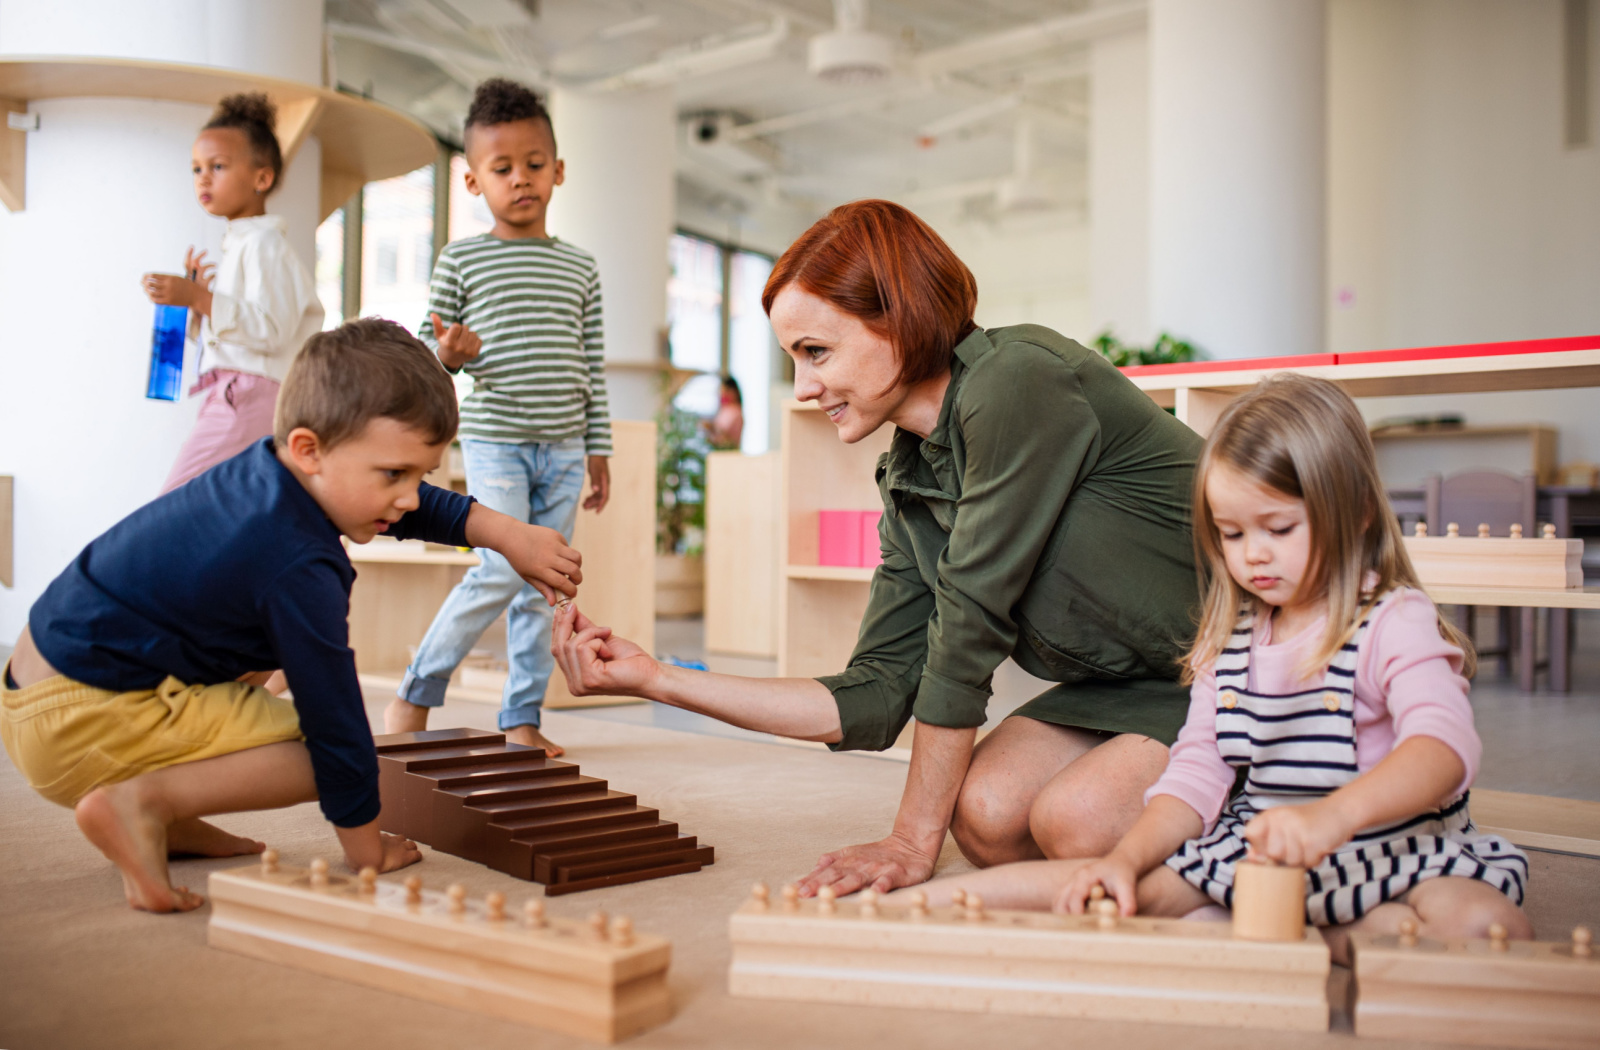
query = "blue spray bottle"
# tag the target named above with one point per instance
(166, 353)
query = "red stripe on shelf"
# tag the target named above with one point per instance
(1418, 353)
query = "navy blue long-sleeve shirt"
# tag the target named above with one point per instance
(237, 571)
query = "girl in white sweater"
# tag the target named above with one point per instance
(263, 306)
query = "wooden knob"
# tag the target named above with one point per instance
(825, 898)
(457, 895)
(1421, 529)
(413, 889)
(1582, 942)
(1483, 530)
(599, 922)
(1452, 529)
(1106, 913)
(319, 871)
(496, 905)
(533, 913)
(1408, 933)
(1497, 937)
(1516, 532)
(919, 905)
(760, 895)
(369, 881)
(974, 908)
(1549, 531)
(791, 897)
(622, 931)
(1097, 892)
(269, 862)
(958, 897)
(869, 903)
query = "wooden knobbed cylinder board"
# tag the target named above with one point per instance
(1269, 902)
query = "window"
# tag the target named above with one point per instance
(716, 326)
(469, 213)
(422, 257)
(396, 212)
(330, 269)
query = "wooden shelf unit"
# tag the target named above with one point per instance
(1199, 392)
(820, 606)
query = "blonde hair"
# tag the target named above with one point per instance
(1304, 437)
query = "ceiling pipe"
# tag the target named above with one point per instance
(1052, 32)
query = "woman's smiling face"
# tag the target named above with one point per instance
(850, 371)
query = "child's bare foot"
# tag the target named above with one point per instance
(531, 737)
(195, 838)
(403, 717)
(133, 836)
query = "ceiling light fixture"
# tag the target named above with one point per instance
(851, 53)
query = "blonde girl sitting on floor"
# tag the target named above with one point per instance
(1322, 670)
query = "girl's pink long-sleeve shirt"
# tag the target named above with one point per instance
(1408, 683)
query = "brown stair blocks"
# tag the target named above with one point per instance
(470, 793)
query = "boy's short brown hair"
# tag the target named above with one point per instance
(364, 370)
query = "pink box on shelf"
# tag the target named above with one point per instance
(871, 546)
(839, 537)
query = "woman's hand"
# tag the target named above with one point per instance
(886, 865)
(1299, 836)
(1114, 873)
(596, 662)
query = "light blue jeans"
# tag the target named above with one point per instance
(536, 482)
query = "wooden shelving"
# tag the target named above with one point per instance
(820, 606)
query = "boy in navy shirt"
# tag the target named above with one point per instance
(129, 695)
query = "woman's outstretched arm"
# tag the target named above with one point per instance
(598, 663)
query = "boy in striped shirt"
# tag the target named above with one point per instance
(520, 312)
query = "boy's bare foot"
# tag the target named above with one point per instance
(193, 837)
(531, 737)
(134, 838)
(403, 717)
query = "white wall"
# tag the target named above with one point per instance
(1119, 186)
(1029, 269)
(1456, 214)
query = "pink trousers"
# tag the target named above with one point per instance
(236, 414)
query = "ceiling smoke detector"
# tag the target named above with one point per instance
(851, 54)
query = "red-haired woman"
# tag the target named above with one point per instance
(1036, 505)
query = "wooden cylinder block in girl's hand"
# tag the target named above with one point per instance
(1269, 902)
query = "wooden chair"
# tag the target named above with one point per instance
(1499, 500)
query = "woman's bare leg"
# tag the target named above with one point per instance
(1037, 790)
(1010, 767)
(129, 821)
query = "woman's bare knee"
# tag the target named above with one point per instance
(991, 827)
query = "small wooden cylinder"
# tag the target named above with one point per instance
(1269, 902)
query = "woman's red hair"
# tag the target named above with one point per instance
(878, 262)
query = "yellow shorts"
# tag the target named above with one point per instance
(68, 738)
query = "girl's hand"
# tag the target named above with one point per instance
(1118, 877)
(1299, 836)
(596, 662)
(200, 271)
(458, 344)
(166, 289)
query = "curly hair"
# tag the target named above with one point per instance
(254, 114)
(501, 101)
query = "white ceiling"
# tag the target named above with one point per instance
(423, 56)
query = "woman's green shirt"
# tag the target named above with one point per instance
(1046, 518)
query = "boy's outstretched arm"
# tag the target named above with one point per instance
(540, 555)
(1418, 775)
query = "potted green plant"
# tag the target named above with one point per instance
(680, 512)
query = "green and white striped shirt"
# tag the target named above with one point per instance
(536, 305)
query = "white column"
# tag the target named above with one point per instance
(1237, 174)
(84, 444)
(1119, 186)
(617, 204)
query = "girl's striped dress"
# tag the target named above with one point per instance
(1299, 747)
